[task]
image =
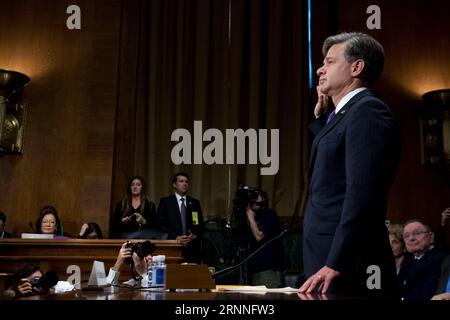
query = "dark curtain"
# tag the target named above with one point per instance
(228, 63)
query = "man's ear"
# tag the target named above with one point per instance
(357, 67)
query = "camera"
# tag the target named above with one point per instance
(142, 249)
(35, 282)
(132, 218)
(47, 281)
(244, 195)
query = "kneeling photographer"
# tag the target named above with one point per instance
(265, 266)
(138, 256)
(29, 280)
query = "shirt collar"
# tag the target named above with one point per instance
(420, 257)
(179, 197)
(347, 98)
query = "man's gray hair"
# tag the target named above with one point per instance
(360, 46)
(427, 227)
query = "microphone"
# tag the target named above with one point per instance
(234, 267)
(31, 226)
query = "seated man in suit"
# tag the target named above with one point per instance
(420, 271)
(181, 217)
(3, 232)
(443, 288)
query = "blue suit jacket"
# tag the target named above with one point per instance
(352, 166)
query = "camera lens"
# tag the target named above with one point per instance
(35, 282)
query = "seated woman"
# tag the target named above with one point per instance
(397, 244)
(134, 216)
(49, 222)
(90, 230)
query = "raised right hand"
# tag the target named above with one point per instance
(322, 103)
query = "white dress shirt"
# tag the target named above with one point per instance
(347, 98)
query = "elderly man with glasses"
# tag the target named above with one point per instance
(419, 274)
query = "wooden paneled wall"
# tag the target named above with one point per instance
(69, 137)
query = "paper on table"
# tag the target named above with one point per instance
(36, 236)
(255, 289)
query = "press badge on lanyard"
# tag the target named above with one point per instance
(194, 217)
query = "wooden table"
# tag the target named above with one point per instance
(58, 255)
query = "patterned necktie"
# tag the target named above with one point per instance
(330, 117)
(183, 215)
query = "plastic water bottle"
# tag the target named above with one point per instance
(159, 272)
(150, 274)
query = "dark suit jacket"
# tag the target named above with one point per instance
(352, 166)
(419, 278)
(169, 218)
(6, 235)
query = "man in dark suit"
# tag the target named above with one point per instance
(419, 274)
(354, 157)
(3, 232)
(443, 286)
(181, 217)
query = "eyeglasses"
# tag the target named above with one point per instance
(416, 234)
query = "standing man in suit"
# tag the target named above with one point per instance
(354, 157)
(181, 217)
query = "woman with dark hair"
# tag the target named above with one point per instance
(48, 221)
(134, 214)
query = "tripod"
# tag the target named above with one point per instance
(241, 256)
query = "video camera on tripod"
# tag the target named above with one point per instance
(243, 197)
(240, 231)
